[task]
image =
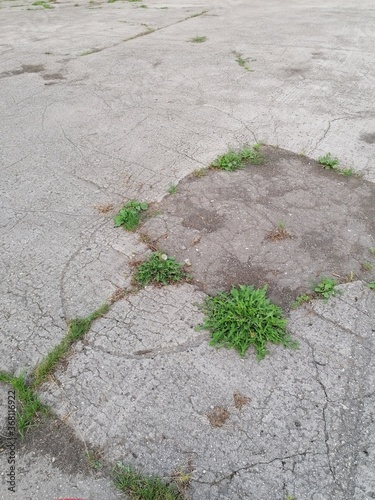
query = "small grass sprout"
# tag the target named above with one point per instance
(200, 172)
(301, 299)
(159, 269)
(42, 3)
(235, 160)
(198, 39)
(241, 60)
(243, 317)
(367, 266)
(130, 215)
(279, 233)
(172, 189)
(371, 285)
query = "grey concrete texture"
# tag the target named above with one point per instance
(139, 114)
(101, 103)
(227, 225)
(305, 423)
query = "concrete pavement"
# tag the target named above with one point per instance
(104, 102)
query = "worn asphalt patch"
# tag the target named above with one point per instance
(222, 223)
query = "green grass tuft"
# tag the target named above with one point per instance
(241, 60)
(367, 266)
(198, 39)
(243, 317)
(235, 160)
(328, 162)
(28, 400)
(371, 285)
(77, 329)
(172, 189)
(42, 3)
(159, 269)
(130, 215)
(301, 299)
(140, 487)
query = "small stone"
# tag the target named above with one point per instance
(187, 262)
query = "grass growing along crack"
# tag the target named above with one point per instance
(198, 39)
(241, 60)
(77, 329)
(172, 189)
(330, 163)
(367, 266)
(28, 401)
(42, 3)
(235, 160)
(30, 406)
(141, 487)
(159, 269)
(243, 317)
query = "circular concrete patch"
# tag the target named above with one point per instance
(285, 223)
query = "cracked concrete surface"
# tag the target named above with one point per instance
(103, 102)
(143, 397)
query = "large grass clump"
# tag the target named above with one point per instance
(245, 316)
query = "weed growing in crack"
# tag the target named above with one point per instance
(28, 400)
(77, 329)
(235, 160)
(326, 288)
(241, 61)
(345, 171)
(372, 250)
(182, 477)
(159, 269)
(138, 486)
(42, 3)
(279, 233)
(367, 266)
(130, 215)
(371, 285)
(243, 317)
(301, 299)
(198, 39)
(94, 459)
(200, 172)
(172, 189)
(328, 162)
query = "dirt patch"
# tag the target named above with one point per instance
(51, 437)
(369, 138)
(26, 68)
(218, 416)
(240, 400)
(222, 222)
